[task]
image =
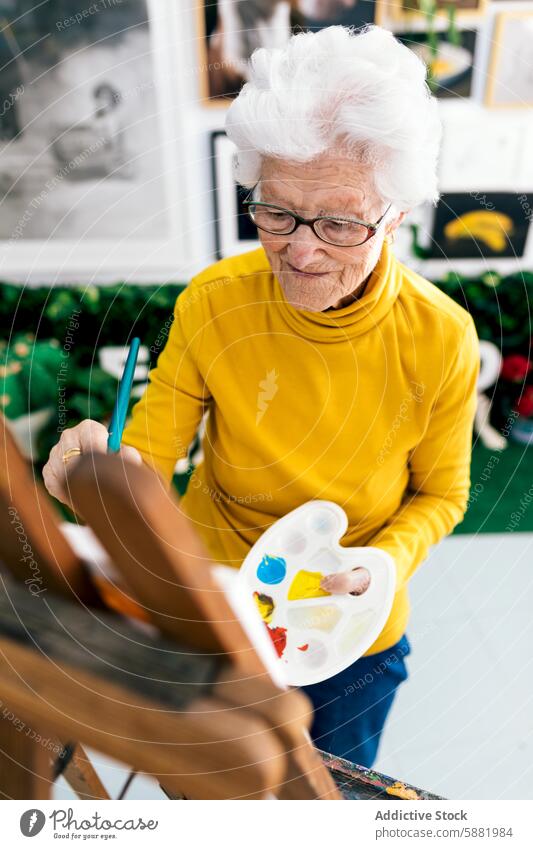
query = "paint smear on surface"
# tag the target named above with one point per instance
(401, 791)
(355, 628)
(278, 637)
(271, 570)
(265, 605)
(304, 647)
(316, 654)
(306, 585)
(320, 618)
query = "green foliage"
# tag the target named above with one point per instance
(500, 306)
(454, 36)
(429, 11)
(50, 341)
(28, 370)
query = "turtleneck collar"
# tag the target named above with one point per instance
(357, 318)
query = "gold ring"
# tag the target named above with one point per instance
(71, 452)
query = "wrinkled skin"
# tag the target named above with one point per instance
(330, 184)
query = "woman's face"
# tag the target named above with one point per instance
(326, 186)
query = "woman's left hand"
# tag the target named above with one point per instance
(355, 581)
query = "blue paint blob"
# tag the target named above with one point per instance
(271, 570)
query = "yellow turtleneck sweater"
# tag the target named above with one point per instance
(370, 406)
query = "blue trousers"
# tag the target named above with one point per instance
(352, 706)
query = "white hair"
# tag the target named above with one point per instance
(359, 89)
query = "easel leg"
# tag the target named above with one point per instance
(25, 766)
(81, 775)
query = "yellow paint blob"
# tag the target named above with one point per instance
(401, 791)
(306, 585)
(265, 605)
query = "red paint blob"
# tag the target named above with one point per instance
(279, 638)
(304, 647)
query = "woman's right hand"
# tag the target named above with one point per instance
(90, 437)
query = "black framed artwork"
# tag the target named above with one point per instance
(229, 32)
(452, 68)
(317, 14)
(234, 230)
(478, 225)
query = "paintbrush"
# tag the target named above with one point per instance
(118, 417)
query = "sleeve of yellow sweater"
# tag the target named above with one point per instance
(437, 495)
(165, 420)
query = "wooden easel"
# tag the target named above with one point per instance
(24, 504)
(169, 573)
(191, 704)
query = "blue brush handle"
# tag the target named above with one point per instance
(118, 417)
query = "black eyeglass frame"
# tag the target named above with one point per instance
(310, 222)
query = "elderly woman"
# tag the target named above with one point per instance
(330, 370)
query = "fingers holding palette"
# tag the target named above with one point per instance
(316, 633)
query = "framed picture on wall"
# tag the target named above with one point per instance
(510, 75)
(234, 230)
(451, 68)
(230, 30)
(481, 224)
(405, 10)
(317, 14)
(85, 165)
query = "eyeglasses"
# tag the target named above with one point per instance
(339, 231)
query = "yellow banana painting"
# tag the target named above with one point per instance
(488, 226)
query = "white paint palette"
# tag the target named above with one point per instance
(316, 634)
